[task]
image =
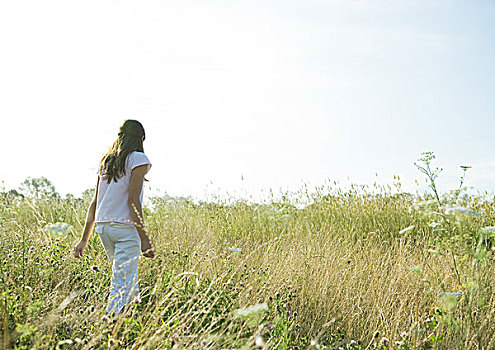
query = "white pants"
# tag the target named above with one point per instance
(123, 247)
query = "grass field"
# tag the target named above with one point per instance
(351, 270)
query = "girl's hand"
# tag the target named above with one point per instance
(79, 248)
(147, 248)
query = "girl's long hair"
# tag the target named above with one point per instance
(130, 139)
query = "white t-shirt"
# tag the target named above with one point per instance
(112, 200)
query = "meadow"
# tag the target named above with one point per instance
(364, 268)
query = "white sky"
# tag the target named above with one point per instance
(278, 92)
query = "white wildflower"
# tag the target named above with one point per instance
(488, 229)
(251, 310)
(460, 210)
(59, 228)
(434, 252)
(65, 342)
(259, 342)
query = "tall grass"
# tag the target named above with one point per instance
(351, 270)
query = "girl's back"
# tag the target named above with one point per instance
(113, 197)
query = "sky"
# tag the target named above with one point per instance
(247, 96)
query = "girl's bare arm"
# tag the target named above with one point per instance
(88, 226)
(135, 187)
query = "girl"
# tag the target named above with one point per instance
(117, 212)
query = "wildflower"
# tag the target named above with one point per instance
(353, 342)
(403, 334)
(80, 341)
(175, 337)
(137, 300)
(65, 342)
(105, 318)
(460, 210)
(399, 342)
(59, 228)
(384, 340)
(251, 310)
(68, 328)
(427, 156)
(175, 252)
(434, 252)
(259, 341)
(488, 229)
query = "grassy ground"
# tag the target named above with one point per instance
(350, 271)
